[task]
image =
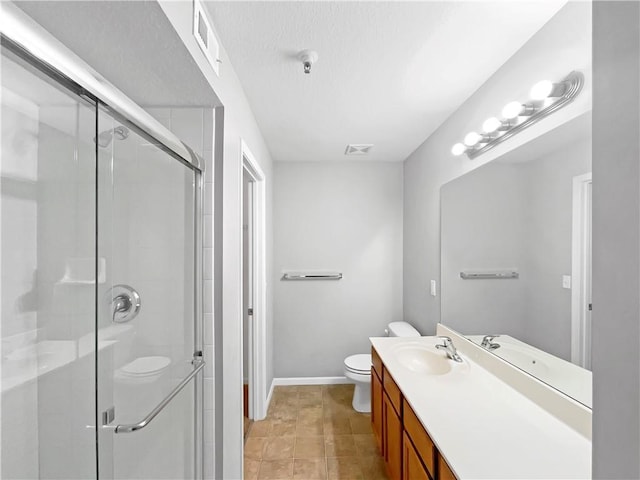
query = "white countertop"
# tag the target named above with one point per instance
(484, 428)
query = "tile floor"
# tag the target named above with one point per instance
(311, 433)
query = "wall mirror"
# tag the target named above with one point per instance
(516, 257)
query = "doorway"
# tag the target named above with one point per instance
(253, 287)
(581, 303)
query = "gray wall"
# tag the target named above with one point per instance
(432, 164)
(549, 214)
(483, 228)
(616, 241)
(345, 217)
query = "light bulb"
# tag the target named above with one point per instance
(458, 149)
(491, 124)
(541, 90)
(512, 109)
(472, 138)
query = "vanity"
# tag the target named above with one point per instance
(435, 419)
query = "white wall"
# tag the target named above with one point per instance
(239, 124)
(344, 217)
(562, 45)
(616, 241)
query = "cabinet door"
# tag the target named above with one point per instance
(412, 468)
(376, 409)
(392, 431)
(444, 472)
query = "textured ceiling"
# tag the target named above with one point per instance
(132, 44)
(389, 73)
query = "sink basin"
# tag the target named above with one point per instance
(422, 359)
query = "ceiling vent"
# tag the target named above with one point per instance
(358, 149)
(203, 33)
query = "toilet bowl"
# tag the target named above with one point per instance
(143, 370)
(357, 368)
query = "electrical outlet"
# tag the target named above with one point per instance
(566, 281)
(433, 288)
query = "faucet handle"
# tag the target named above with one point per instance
(487, 339)
(447, 340)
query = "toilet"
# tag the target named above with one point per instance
(358, 367)
(143, 370)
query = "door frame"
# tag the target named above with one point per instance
(257, 328)
(579, 264)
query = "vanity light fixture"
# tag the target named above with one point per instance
(547, 97)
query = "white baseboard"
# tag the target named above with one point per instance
(268, 402)
(308, 381)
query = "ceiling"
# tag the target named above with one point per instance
(389, 73)
(132, 44)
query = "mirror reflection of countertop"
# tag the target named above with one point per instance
(484, 428)
(570, 379)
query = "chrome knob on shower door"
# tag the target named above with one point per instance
(124, 302)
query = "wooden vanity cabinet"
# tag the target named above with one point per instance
(392, 439)
(376, 401)
(412, 467)
(404, 443)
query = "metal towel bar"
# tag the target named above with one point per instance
(134, 427)
(312, 276)
(489, 275)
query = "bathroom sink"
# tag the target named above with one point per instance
(422, 359)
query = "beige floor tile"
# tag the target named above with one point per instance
(365, 444)
(309, 447)
(309, 428)
(309, 469)
(261, 428)
(310, 414)
(361, 424)
(276, 470)
(373, 468)
(344, 468)
(340, 446)
(332, 441)
(310, 401)
(254, 447)
(283, 427)
(251, 469)
(337, 425)
(278, 448)
(310, 389)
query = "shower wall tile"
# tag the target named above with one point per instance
(208, 328)
(208, 296)
(208, 355)
(208, 231)
(208, 198)
(208, 393)
(208, 263)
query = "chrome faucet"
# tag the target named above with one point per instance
(488, 343)
(449, 349)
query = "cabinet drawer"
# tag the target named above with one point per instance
(376, 362)
(392, 391)
(444, 472)
(420, 438)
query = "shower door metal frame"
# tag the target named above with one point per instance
(38, 48)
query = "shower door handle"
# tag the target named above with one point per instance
(198, 363)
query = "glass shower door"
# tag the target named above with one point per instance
(146, 328)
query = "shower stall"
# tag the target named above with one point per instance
(101, 290)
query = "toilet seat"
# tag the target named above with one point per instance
(145, 366)
(360, 363)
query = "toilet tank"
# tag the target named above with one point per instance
(401, 329)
